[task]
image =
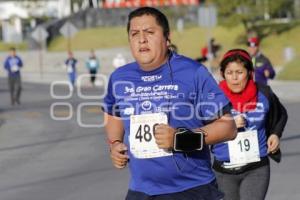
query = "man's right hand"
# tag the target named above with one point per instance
(118, 154)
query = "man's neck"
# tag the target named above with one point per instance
(153, 66)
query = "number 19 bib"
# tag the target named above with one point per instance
(142, 141)
(244, 148)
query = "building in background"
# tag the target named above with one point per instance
(14, 13)
(139, 3)
(11, 22)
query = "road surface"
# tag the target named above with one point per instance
(46, 159)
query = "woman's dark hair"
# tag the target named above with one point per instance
(161, 19)
(237, 55)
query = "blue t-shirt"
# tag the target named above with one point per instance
(71, 65)
(190, 97)
(255, 120)
(13, 64)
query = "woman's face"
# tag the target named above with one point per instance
(236, 76)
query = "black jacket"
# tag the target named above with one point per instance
(276, 117)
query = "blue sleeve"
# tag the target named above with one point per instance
(6, 64)
(110, 101)
(211, 101)
(75, 62)
(20, 62)
(271, 69)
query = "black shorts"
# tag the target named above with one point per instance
(204, 192)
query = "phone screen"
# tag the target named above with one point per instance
(189, 142)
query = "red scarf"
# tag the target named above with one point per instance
(243, 101)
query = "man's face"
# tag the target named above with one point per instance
(13, 53)
(253, 50)
(147, 42)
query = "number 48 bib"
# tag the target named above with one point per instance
(244, 148)
(142, 141)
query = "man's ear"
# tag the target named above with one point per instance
(168, 41)
(168, 38)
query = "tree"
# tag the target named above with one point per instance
(257, 15)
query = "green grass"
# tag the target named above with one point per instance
(189, 42)
(193, 39)
(7, 46)
(274, 45)
(291, 71)
(95, 38)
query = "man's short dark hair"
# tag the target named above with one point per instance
(161, 19)
(12, 49)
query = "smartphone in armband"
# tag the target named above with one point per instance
(186, 140)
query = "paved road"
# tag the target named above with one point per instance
(46, 159)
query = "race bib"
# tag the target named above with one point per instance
(244, 148)
(15, 68)
(69, 69)
(93, 63)
(142, 141)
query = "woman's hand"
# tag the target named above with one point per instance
(240, 121)
(273, 143)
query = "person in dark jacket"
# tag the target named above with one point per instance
(262, 66)
(70, 64)
(242, 165)
(13, 65)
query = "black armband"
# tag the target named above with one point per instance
(186, 140)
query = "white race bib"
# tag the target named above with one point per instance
(14, 68)
(244, 148)
(93, 63)
(69, 68)
(142, 141)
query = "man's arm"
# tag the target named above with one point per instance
(20, 62)
(115, 133)
(269, 71)
(220, 130)
(6, 64)
(114, 127)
